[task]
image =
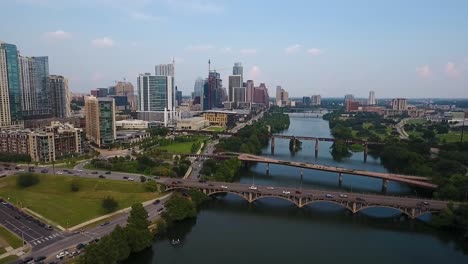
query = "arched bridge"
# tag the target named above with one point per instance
(412, 207)
(417, 181)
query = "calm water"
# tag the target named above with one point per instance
(229, 230)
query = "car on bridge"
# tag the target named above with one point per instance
(253, 187)
(343, 195)
(286, 192)
(329, 195)
(224, 187)
(270, 188)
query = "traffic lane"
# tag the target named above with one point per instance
(279, 191)
(31, 231)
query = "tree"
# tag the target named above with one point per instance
(109, 204)
(138, 234)
(179, 208)
(26, 180)
(142, 178)
(75, 185)
(340, 150)
(119, 236)
(151, 186)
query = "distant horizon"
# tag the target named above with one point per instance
(395, 48)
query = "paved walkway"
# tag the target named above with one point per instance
(17, 252)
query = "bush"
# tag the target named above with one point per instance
(109, 204)
(75, 186)
(26, 180)
(151, 186)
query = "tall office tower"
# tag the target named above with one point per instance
(155, 93)
(126, 89)
(399, 104)
(10, 77)
(59, 96)
(100, 120)
(261, 95)
(249, 91)
(35, 86)
(164, 69)
(198, 87)
(371, 100)
(235, 81)
(111, 90)
(178, 97)
(239, 94)
(5, 118)
(238, 70)
(213, 94)
(282, 96)
(306, 100)
(278, 94)
(316, 99)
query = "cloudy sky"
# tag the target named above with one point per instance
(416, 48)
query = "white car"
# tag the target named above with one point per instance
(21, 170)
(224, 187)
(253, 187)
(343, 195)
(80, 170)
(60, 255)
(286, 192)
(131, 179)
(59, 172)
(270, 188)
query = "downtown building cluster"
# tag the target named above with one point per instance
(27, 91)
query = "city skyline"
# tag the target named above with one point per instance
(396, 49)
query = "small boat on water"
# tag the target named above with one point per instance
(175, 241)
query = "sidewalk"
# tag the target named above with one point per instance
(17, 252)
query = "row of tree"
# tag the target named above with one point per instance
(220, 170)
(122, 241)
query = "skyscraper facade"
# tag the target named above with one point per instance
(371, 100)
(235, 81)
(316, 99)
(100, 120)
(35, 93)
(239, 94)
(59, 96)
(399, 104)
(5, 118)
(261, 95)
(282, 96)
(213, 93)
(249, 91)
(10, 56)
(238, 70)
(155, 93)
(164, 69)
(198, 87)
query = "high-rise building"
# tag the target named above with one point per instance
(59, 96)
(316, 99)
(249, 91)
(198, 87)
(282, 96)
(239, 94)
(155, 93)
(35, 87)
(178, 97)
(351, 105)
(399, 104)
(235, 81)
(238, 70)
(306, 100)
(371, 100)
(11, 82)
(5, 118)
(213, 94)
(126, 89)
(164, 69)
(100, 120)
(261, 95)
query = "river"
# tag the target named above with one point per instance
(230, 230)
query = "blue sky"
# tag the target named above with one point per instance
(396, 48)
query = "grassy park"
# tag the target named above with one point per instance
(182, 147)
(8, 239)
(53, 198)
(215, 128)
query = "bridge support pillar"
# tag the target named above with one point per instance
(413, 213)
(366, 150)
(272, 145)
(384, 185)
(354, 208)
(316, 147)
(300, 202)
(267, 167)
(340, 179)
(250, 197)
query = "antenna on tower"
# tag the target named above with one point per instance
(209, 66)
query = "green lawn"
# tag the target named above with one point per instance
(53, 199)
(416, 121)
(13, 240)
(215, 128)
(183, 148)
(452, 136)
(8, 259)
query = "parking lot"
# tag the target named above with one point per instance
(30, 229)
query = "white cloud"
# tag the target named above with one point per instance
(200, 47)
(248, 51)
(104, 42)
(145, 17)
(451, 70)
(424, 71)
(226, 50)
(292, 49)
(314, 51)
(254, 73)
(198, 6)
(57, 35)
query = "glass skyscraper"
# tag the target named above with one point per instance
(155, 93)
(13, 80)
